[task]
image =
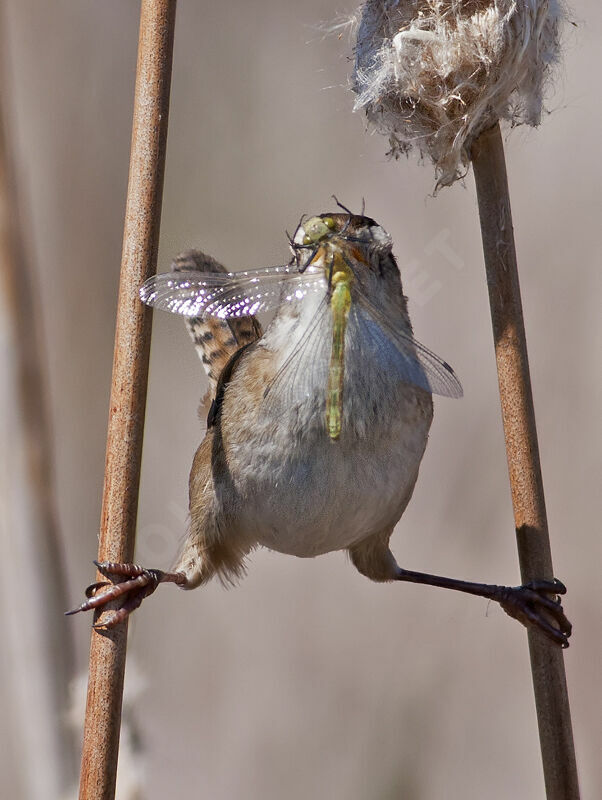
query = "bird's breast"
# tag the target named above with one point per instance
(294, 489)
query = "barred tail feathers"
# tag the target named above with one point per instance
(216, 340)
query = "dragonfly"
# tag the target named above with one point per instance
(330, 257)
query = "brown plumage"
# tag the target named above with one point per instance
(216, 340)
(268, 473)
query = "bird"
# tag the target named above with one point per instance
(317, 425)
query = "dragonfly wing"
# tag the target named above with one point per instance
(396, 351)
(264, 294)
(192, 293)
(183, 292)
(304, 373)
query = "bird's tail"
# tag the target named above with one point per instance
(216, 340)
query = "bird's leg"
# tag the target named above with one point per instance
(534, 603)
(136, 584)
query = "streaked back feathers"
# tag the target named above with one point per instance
(216, 340)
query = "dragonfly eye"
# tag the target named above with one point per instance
(317, 229)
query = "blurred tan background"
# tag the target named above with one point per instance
(308, 681)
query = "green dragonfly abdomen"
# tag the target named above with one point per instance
(340, 303)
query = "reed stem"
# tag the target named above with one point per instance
(129, 382)
(37, 645)
(518, 414)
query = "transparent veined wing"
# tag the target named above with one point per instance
(232, 294)
(396, 350)
(305, 367)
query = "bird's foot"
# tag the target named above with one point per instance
(136, 583)
(537, 603)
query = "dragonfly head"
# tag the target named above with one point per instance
(354, 227)
(315, 230)
(363, 238)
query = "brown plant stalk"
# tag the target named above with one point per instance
(39, 644)
(129, 382)
(436, 76)
(522, 451)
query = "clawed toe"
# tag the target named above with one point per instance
(92, 589)
(537, 603)
(136, 584)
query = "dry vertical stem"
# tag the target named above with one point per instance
(40, 646)
(436, 76)
(128, 390)
(547, 665)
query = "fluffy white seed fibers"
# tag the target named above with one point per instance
(433, 74)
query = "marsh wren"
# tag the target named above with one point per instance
(317, 427)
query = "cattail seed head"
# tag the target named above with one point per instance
(433, 74)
